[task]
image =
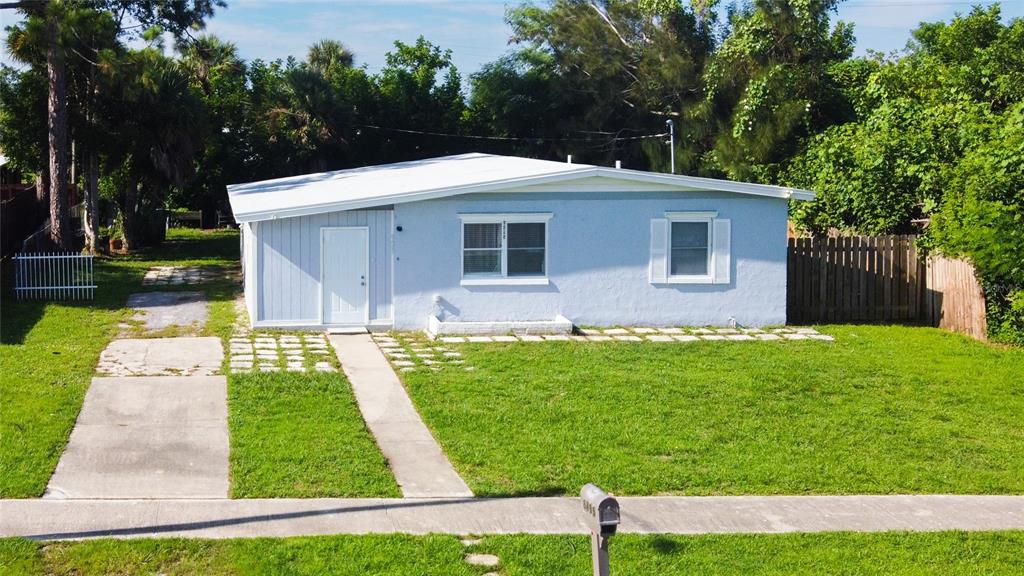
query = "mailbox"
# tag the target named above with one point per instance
(601, 510)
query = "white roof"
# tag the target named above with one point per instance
(449, 176)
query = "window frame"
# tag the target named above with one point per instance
(704, 217)
(485, 279)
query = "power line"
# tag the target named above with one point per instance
(907, 3)
(514, 138)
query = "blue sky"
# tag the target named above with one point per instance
(475, 30)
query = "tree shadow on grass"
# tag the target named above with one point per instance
(19, 317)
(116, 277)
(544, 491)
(198, 246)
(664, 545)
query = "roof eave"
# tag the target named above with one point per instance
(409, 196)
(689, 183)
(699, 183)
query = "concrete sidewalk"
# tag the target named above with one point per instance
(77, 519)
(420, 466)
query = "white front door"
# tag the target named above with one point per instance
(345, 275)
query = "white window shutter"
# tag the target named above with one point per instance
(659, 250)
(723, 250)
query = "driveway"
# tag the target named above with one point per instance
(148, 437)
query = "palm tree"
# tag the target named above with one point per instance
(45, 16)
(327, 56)
(159, 141)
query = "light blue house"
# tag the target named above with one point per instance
(484, 243)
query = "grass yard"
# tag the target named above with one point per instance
(383, 555)
(881, 410)
(892, 554)
(301, 436)
(903, 554)
(48, 351)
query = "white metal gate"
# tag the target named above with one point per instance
(53, 276)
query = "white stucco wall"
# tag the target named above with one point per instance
(599, 249)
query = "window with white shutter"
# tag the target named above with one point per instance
(690, 248)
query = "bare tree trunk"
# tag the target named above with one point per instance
(57, 124)
(91, 222)
(130, 212)
(42, 192)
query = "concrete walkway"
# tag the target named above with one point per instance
(420, 467)
(147, 437)
(185, 356)
(74, 519)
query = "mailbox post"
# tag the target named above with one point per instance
(602, 513)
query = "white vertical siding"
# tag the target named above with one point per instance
(288, 270)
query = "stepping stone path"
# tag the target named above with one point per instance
(478, 558)
(412, 351)
(646, 334)
(274, 352)
(179, 275)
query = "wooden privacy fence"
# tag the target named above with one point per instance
(880, 279)
(53, 276)
(954, 298)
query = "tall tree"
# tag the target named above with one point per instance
(218, 76)
(47, 15)
(57, 125)
(769, 87)
(155, 147)
(619, 68)
(177, 18)
(419, 89)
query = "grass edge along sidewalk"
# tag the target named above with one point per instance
(898, 553)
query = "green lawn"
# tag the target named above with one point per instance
(904, 554)
(881, 410)
(395, 555)
(301, 436)
(48, 352)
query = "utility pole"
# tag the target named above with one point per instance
(671, 145)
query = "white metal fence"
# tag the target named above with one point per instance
(53, 275)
